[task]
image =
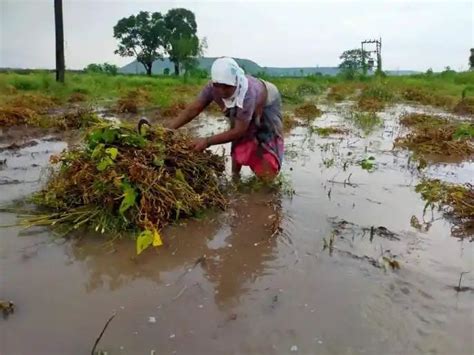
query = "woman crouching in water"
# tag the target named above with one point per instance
(254, 109)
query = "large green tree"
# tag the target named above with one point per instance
(352, 61)
(142, 36)
(182, 43)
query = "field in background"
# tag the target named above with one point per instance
(442, 90)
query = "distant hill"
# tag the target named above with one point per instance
(249, 66)
(273, 71)
(204, 63)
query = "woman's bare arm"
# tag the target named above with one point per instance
(231, 135)
(187, 115)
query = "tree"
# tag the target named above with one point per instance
(111, 69)
(106, 68)
(191, 63)
(94, 68)
(353, 59)
(182, 43)
(447, 71)
(142, 36)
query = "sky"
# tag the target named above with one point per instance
(416, 35)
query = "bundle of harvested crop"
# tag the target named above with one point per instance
(120, 180)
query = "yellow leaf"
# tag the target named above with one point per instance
(156, 238)
(144, 240)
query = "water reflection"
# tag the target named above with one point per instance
(251, 246)
(113, 266)
(231, 265)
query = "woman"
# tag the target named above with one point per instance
(254, 109)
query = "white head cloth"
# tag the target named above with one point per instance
(225, 70)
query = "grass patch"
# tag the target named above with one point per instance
(340, 92)
(457, 202)
(422, 119)
(133, 100)
(25, 109)
(77, 97)
(370, 104)
(33, 109)
(374, 97)
(425, 97)
(464, 131)
(441, 90)
(327, 131)
(436, 136)
(74, 119)
(173, 110)
(37, 102)
(379, 91)
(99, 87)
(13, 116)
(308, 89)
(289, 121)
(465, 106)
(308, 111)
(295, 90)
(366, 121)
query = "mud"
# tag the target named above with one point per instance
(228, 284)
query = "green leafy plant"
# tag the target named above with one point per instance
(366, 121)
(464, 131)
(368, 164)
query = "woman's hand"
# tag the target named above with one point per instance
(199, 144)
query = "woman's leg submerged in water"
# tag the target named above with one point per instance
(236, 168)
(264, 163)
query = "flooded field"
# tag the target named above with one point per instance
(335, 267)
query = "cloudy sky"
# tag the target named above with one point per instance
(416, 34)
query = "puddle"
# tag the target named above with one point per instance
(460, 173)
(228, 284)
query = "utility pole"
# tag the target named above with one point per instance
(58, 21)
(471, 60)
(377, 51)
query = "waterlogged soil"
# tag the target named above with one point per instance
(233, 283)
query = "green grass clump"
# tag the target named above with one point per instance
(327, 131)
(366, 121)
(341, 91)
(375, 96)
(308, 111)
(379, 91)
(464, 131)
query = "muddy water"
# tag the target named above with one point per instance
(229, 285)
